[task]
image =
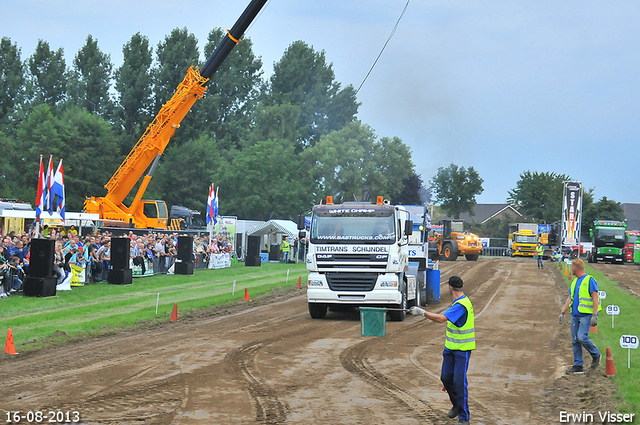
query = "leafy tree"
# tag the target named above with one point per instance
(186, 172)
(539, 195)
(267, 180)
(41, 133)
(227, 109)
(604, 209)
(455, 189)
(352, 164)
(133, 83)
(12, 81)
(410, 194)
(91, 79)
(304, 79)
(49, 74)
(84, 141)
(90, 158)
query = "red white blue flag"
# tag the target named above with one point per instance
(209, 215)
(57, 191)
(40, 195)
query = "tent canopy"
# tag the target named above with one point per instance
(287, 227)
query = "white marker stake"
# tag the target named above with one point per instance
(287, 281)
(613, 311)
(629, 342)
(234, 287)
(157, 302)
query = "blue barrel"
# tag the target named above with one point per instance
(433, 286)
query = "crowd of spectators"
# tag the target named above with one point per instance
(92, 254)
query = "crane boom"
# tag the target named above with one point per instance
(157, 136)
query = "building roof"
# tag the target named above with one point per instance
(485, 212)
(632, 213)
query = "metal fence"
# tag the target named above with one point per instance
(496, 247)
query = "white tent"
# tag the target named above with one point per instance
(287, 227)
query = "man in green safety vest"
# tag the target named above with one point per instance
(584, 304)
(285, 247)
(539, 253)
(460, 341)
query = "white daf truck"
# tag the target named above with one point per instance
(359, 256)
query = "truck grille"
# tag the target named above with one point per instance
(360, 261)
(351, 281)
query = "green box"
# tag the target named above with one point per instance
(373, 321)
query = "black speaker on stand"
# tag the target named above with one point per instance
(120, 272)
(41, 280)
(253, 252)
(185, 255)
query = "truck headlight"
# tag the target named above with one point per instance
(388, 284)
(315, 283)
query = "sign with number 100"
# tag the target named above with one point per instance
(602, 295)
(629, 341)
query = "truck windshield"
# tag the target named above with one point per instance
(609, 235)
(328, 229)
(197, 223)
(526, 239)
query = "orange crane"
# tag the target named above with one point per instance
(152, 214)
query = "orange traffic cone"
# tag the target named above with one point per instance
(174, 313)
(594, 329)
(9, 347)
(611, 366)
(566, 271)
(246, 294)
(299, 280)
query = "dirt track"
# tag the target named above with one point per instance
(268, 362)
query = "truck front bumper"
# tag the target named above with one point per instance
(318, 291)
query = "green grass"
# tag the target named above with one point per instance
(96, 309)
(627, 323)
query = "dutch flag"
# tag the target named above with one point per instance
(57, 190)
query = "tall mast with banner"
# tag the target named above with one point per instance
(571, 213)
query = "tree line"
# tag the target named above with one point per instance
(274, 146)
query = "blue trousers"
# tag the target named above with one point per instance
(454, 377)
(580, 326)
(540, 265)
(285, 257)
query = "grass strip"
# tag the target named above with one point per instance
(96, 309)
(626, 380)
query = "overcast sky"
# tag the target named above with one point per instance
(503, 86)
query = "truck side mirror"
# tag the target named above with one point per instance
(408, 227)
(301, 222)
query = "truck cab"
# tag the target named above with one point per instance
(183, 218)
(608, 240)
(359, 256)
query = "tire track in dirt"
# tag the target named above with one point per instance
(265, 399)
(354, 360)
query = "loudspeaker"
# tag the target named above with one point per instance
(183, 268)
(39, 286)
(253, 246)
(41, 258)
(120, 276)
(120, 253)
(253, 261)
(185, 249)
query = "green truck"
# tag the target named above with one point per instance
(608, 240)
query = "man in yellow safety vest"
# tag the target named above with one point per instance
(460, 341)
(285, 248)
(584, 304)
(539, 254)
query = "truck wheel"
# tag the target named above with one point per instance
(317, 311)
(472, 257)
(449, 254)
(399, 315)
